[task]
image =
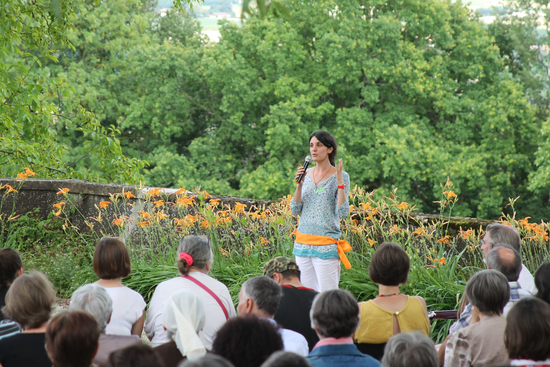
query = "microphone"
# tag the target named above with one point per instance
(307, 161)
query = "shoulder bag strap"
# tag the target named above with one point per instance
(209, 291)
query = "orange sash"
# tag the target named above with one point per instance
(311, 239)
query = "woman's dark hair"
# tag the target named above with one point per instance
(335, 314)
(10, 263)
(200, 250)
(247, 341)
(111, 259)
(209, 360)
(389, 265)
(329, 142)
(527, 333)
(140, 355)
(542, 282)
(72, 338)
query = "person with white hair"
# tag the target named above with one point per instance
(183, 318)
(410, 350)
(95, 300)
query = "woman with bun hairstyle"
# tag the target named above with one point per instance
(321, 200)
(194, 262)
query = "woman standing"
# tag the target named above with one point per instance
(321, 200)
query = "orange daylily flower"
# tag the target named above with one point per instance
(450, 194)
(29, 172)
(63, 191)
(404, 205)
(104, 204)
(59, 206)
(185, 201)
(22, 176)
(214, 202)
(444, 240)
(119, 221)
(419, 232)
(142, 224)
(205, 224)
(365, 206)
(9, 188)
(154, 192)
(371, 242)
(239, 208)
(263, 241)
(129, 195)
(158, 203)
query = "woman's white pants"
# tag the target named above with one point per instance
(319, 274)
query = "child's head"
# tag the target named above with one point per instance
(111, 259)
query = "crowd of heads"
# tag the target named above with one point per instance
(72, 337)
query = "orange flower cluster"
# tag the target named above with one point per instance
(63, 191)
(23, 176)
(128, 194)
(404, 205)
(185, 201)
(538, 232)
(59, 206)
(9, 189)
(239, 207)
(467, 234)
(445, 240)
(104, 204)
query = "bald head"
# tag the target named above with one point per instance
(506, 260)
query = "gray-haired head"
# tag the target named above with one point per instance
(285, 359)
(503, 234)
(489, 291)
(209, 360)
(410, 350)
(200, 250)
(95, 300)
(506, 260)
(335, 314)
(265, 293)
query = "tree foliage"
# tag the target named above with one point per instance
(414, 92)
(31, 33)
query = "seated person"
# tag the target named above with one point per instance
(183, 318)
(542, 281)
(95, 300)
(410, 350)
(527, 333)
(335, 317)
(194, 262)
(111, 264)
(10, 268)
(247, 341)
(260, 296)
(482, 343)
(29, 302)
(391, 312)
(286, 359)
(139, 355)
(72, 339)
(209, 360)
(293, 311)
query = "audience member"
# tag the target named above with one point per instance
(29, 302)
(95, 300)
(504, 259)
(209, 360)
(286, 359)
(496, 234)
(247, 341)
(194, 262)
(542, 281)
(335, 317)
(410, 350)
(391, 312)
(507, 261)
(293, 311)
(527, 333)
(111, 264)
(139, 355)
(10, 268)
(482, 343)
(183, 318)
(72, 339)
(260, 296)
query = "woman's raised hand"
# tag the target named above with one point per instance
(301, 171)
(339, 170)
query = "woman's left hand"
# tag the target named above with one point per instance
(339, 169)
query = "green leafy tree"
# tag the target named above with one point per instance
(414, 93)
(30, 36)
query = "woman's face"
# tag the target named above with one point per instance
(319, 152)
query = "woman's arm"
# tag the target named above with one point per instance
(137, 328)
(296, 203)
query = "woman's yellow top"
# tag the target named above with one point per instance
(376, 324)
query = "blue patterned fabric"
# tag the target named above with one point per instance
(319, 215)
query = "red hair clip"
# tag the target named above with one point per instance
(187, 258)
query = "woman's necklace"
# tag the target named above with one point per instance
(318, 181)
(389, 294)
